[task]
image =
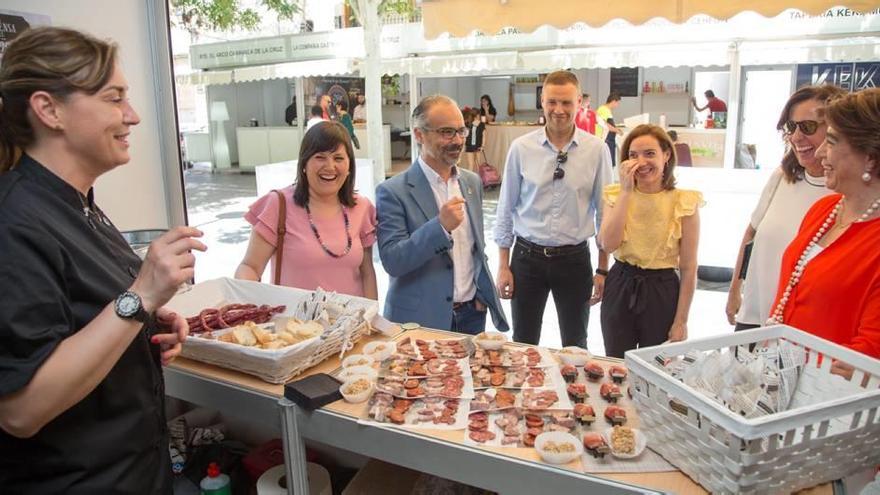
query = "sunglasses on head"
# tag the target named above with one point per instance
(561, 158)
(808, 127)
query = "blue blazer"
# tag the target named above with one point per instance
(414, 250)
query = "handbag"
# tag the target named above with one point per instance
(280, 233)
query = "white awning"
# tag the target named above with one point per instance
(205, 77)
(864, 49)
(474, 63)
(325, 67)
(693, 55)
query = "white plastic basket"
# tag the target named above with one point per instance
(831, 429)
(271, 365)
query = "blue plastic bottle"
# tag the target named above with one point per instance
(215, 483)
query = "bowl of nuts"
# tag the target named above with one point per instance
(625, 442)
(357, 389)
(557, 447)
(357, 360)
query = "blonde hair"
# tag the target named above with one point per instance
(56, 60)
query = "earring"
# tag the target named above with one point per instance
(866, 177)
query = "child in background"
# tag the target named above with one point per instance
(473, 144)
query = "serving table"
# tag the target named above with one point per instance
(439, 452)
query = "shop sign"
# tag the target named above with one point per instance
(849, 76)
(341, 43)
(14, 23)
(238, 53)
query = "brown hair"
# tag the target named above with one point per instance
(324, 137)
(561, 78)
(856, 118)
(666, 145)
(58, 61)
(791, 168)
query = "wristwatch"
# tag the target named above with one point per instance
(602, 272)
(129, 306)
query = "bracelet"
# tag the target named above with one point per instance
(600, 271)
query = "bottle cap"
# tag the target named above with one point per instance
(213, 470)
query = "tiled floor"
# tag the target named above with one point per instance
(217, 202)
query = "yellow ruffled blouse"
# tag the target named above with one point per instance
(652, 235)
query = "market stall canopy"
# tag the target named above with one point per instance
(324, 67)
(705, 54)
(461, 17)
(473, 63)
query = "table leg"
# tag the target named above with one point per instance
(294, 450)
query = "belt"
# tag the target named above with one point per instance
(458, 305)
(551, 251)
(634, 280)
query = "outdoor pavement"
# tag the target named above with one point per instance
(217, 202)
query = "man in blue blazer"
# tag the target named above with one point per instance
(430, 231)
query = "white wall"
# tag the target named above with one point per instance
(133, 195)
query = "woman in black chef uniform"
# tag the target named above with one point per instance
(83, 334)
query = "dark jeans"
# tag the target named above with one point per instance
(638, 307)
(564, 271)
(468, 319)
(744, 326)
(612, 147)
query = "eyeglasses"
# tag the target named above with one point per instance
(561, 158)
(449, 132)
(808, 127)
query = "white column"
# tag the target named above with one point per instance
(733, 99)
(302, 111)
(414, 97)
(371, 70)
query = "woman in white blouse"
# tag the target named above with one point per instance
(791, 190)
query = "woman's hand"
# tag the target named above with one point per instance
(678, 332)
(734, 301)
(627, 171)
(174, 330)
(169, 263)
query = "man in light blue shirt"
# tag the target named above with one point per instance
(549, 207)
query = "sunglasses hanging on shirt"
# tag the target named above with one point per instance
(561, 158)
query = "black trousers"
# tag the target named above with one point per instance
(744, 326)
(538, 271)
(638, 307)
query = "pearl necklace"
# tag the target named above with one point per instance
(776, 317)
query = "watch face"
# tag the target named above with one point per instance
(128, 304)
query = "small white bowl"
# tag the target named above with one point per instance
(357, 360)
(349, 373)
(361, 396)
(558, 437)
(387, 349)
(577, 358)
(641, 443)
(490, 341)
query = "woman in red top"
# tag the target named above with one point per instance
(829, 283)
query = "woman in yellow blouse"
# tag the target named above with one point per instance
(652, 229)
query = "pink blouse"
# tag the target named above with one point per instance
(305, 264)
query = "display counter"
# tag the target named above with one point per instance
(706, 145)
(497, 140)
(438, 452)
(262, 145)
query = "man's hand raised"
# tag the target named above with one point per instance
(452, 214)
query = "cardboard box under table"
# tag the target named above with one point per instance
(439, 452)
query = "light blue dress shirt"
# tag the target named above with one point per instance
(535, 207)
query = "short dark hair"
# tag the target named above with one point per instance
(665, 142)
(612, 96)
(585, 96)
(343, 105)
(420, 112)
(791, 168)
(317, 111)
(709, 93)
(321, 138)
